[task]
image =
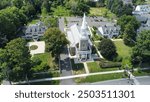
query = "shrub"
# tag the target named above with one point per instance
(108, 64)
(117, 59)
(93, 50)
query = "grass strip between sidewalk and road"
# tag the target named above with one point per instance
(101, 77)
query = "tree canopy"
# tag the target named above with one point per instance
(107, 49)
(141, 50)
(55, 41)
(11, 19)
(15, 60)
(129, 26)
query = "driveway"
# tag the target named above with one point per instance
(65, 67)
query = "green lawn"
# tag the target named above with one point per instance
(96, 78)
(44, 63)
(101, 11)
(122, 49)
(94, 67)
(77, 68)
(47, 59)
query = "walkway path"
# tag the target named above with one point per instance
(86, 68)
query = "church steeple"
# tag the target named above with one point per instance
(84, 23)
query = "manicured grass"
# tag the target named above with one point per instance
(101, 11)
(96, 78)
(122, 49)
(141, 73)
(77, 68)
(94, 67)
(46, 58)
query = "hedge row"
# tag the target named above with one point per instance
(109, 64)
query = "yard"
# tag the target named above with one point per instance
(77, 68)
(45, 59)
(94, 67)
(102, 77)
(101, 11)
(44, 67)
(122, 49)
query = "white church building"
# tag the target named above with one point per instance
(80, 44)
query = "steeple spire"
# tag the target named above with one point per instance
(84, 23)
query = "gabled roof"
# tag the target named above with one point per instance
(73, 35)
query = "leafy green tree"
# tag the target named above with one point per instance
(124, 20)
(45, 8)
(55, 41)
(129, 36)
(126, 63)
(17, 3)
(78, 7)
(107, 49)
(141, 51)
(51, 21)
(15, 60)
(61, 11)
(117, 7)
(11, 19)
(4, 4)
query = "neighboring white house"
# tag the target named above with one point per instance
(142, 9)
(80, 44)
(34, 31)
(145, 26)
(109, 31)
(127, 2)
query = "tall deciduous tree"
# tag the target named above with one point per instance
(55, 41)
(15, 60)
(129, 36)
(11, 19)
(107, 49)
(141, 51)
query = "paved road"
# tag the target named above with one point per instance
(65, 67)
(143, 80)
